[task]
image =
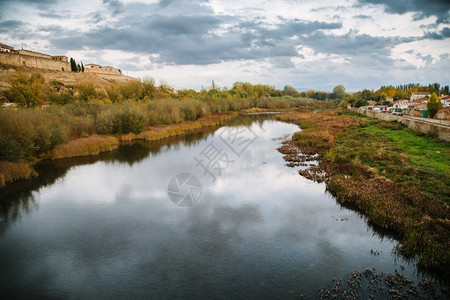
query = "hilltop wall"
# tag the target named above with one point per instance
(19, 60)
(102, 71)
(98, 69)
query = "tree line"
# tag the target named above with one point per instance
(74, 67)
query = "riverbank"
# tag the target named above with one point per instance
(399, 179)
(95, 144)
(438, 128)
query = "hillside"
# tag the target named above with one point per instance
(67, 78)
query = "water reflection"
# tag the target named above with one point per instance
(18, 198)
(105, 227)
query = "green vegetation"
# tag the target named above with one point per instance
(34, 91)
(396, 153)
(398, 178)
(74, 67)
(433, 105)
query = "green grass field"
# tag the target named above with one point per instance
(399, 154)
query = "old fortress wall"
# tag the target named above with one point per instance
(26, 58)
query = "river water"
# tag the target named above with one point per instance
(211, 215)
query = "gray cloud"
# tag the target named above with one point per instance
(114, 5)
(12, 27)
(191, 39)
(444, 33)
(440, 8)
(41, 4)
(52, 14)
(352, 44)
(166, 3)
(363, 17)
(183, 25)
(52, 29)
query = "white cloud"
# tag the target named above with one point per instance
(417, 52)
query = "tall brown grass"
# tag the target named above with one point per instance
(91, 145)
(12, 171)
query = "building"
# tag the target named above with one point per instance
(94, 68)
(443, 114)
(32, 59)
(445, 101)
(419, 95)
(401, 104)
(60, 58)
(7, 49)
(34, 53)
(416, 110)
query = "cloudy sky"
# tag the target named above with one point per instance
(313, 44)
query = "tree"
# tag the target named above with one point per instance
(433, 105)
(290, 91)
(361, 102)
(434, 88)
(339, 91)
(73, 65)
(82, 67)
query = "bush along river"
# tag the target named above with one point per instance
(214, 215)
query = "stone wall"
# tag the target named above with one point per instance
(443, 114)
(19, 60)
(93, 68)
(34, 53)
(442, 130)
(101, 71)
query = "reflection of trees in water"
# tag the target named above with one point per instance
(137, 151)
(18, 198)
(248, 120)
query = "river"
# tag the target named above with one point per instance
(210, 215)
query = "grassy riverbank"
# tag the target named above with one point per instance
(396, 177)
(35, 132)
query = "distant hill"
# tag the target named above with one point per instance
(67, 78)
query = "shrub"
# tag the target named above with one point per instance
(122, 119)
(12, 171)
(27, 133)
(314, 138)
(28, 91)
(104, 122)
(87, 92)
(130, 120)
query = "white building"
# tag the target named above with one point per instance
(419, 95)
